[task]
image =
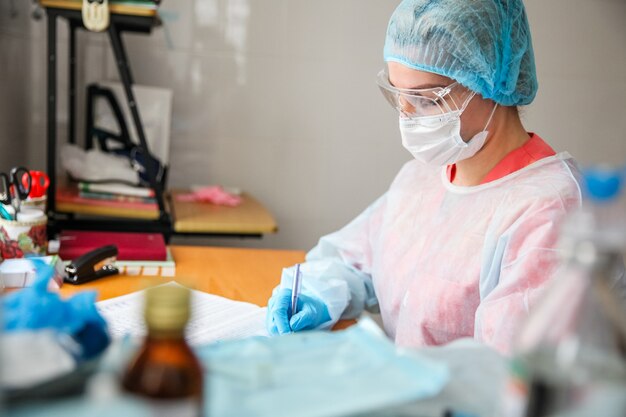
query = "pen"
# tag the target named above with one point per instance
(295, 289)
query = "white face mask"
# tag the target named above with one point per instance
(437, 141)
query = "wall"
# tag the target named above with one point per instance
(278, 97)
(23, 81)
(15, 56)
(580, 50)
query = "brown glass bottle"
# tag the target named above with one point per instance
(165, 370)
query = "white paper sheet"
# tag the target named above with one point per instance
(213, 317)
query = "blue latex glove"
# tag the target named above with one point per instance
(35, 308)
(312, 312)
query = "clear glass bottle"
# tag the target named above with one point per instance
(570, 356)
(166, 370)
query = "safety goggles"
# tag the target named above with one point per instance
(437, 101)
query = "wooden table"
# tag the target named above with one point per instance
(240, 274)
(250, 217)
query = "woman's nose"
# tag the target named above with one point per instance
(404, 106)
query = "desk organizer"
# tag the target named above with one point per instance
(38, 203)
(21, 238)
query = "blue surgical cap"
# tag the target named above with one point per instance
(483, 44)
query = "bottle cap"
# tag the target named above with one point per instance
(30, 215)
(167, 308)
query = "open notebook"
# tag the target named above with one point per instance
(213, 318)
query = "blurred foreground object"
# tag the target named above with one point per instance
(47, 340)
(317, 373)
(571, 353)
(35, 309)
(166, 370)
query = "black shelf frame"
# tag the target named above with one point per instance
(119, 23)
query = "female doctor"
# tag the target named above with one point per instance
(463, 242)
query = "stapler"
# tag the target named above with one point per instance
(96, 264)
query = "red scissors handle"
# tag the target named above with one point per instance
(39, 183)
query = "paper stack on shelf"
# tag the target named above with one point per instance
(108, 199)
(150, 4)
(116, 192)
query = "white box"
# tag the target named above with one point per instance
(19, 273)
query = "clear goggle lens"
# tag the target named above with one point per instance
(437, 101)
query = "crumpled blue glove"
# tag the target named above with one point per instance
(312, 312)
(35, 308)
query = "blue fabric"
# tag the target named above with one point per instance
(35, 308)
(483, 44)
(317, 373)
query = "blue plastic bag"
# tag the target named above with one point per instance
(35, 308)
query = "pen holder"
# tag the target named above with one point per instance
(37, 202)
(24, 237)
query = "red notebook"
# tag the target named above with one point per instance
(131, 246)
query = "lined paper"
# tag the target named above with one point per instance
(213, 318)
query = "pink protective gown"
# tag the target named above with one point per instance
(445, 262)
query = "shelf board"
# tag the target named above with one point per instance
(77, 208)
(115, 8)
(250, 217)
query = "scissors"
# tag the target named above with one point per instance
(15, 187)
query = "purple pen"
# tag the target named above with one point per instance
(295, 289)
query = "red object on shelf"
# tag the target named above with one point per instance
(131, 246)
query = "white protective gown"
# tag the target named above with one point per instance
(444, 262)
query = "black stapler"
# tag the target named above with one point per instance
(96, 264)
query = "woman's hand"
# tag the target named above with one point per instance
(311, 313)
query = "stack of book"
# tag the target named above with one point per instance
(116, 192)
(108, 199)
(138, 253)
